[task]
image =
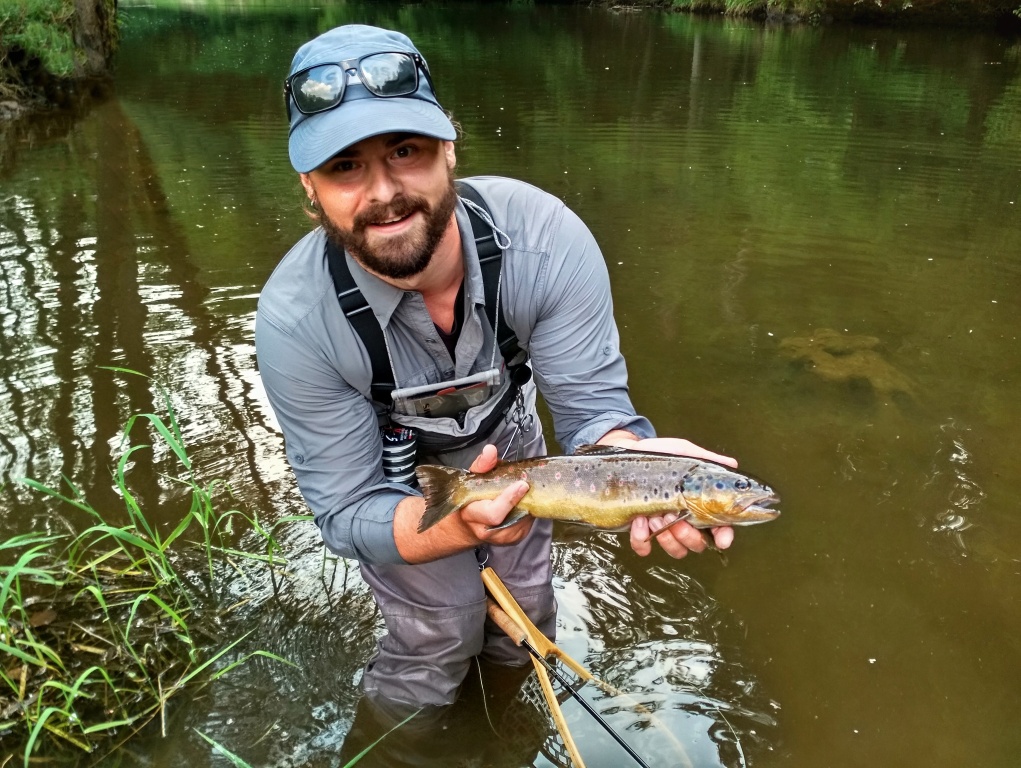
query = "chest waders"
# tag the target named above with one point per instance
(358, 312)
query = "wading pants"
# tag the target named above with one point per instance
(436, 622)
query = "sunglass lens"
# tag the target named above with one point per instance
(318, 88)
(389, 74)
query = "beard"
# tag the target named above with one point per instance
(401, 256)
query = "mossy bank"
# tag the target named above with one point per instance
(52, 51)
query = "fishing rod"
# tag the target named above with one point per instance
(497, 614)
(508, 615)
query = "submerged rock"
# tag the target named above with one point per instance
(843, 357)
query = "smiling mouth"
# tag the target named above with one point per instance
(392, 221)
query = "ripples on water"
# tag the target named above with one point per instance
(658, 640)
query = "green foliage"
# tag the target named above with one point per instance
(800, 8)
(98, 624)
(43, 29)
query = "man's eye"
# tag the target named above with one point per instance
(405, 151)
(344, 166)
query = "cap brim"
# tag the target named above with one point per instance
(319, 137)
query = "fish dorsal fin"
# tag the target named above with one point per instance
(600, 450)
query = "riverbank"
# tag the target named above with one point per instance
(53, 53)
(972, 13)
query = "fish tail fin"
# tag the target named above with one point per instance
(438, 485)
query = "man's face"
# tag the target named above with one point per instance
(388, 200)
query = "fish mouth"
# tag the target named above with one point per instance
(757, 510)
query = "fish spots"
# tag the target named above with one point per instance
(556, 475)
(592, 488)
(577, 482)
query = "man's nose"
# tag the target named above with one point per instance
(383, 185)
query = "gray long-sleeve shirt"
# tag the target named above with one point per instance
(555, 295)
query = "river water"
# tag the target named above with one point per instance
(814, 240)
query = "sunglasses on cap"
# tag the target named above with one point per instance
(386, 75)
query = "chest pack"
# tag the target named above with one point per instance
(358, 312)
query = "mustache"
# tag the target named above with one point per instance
(398, 208)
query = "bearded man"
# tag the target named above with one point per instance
(375, 155)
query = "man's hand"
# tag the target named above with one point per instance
(481, 516)
(681, 538)
(465, 529)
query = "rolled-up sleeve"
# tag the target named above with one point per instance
(332, 444)
(574, 344)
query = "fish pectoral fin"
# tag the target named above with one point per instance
(668, 526)
(516, 516)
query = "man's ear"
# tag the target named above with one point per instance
(448, 151)
(310, 189)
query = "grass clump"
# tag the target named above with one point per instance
(39, 29)
(99, 629)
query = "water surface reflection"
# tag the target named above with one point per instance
(754, 191)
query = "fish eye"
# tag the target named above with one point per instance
(741, 484)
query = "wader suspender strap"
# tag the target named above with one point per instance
(490, 260)
(359, 313)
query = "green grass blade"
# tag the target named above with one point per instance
(20, 654)
(117, 369)
(123, 535)
(37, 728)
(74, 502)
(172, 440)
(26, 539)
(19, 567)
(234, 759)
(372, 746)
(241, 661)
(167, 610)
(164, 393)
(110, 724)
(210, 661)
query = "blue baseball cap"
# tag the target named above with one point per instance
(314, 139)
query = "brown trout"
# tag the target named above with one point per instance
(605, 487)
